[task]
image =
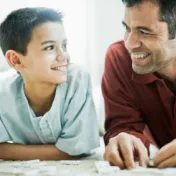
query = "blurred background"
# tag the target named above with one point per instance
(91, 26)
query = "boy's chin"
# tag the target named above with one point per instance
(61, 80)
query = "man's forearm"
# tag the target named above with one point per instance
(28, 152)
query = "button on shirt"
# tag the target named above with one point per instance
(70, 124)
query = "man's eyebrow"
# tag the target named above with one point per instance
(124, 24)
(48, 41)
(145, 28)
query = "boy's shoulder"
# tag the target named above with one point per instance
(77, 73)
(78, 78)
(9, 82)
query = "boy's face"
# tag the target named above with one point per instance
(47, 59)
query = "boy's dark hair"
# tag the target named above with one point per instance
(16, 29)
(167, 12)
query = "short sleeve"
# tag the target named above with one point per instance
(4, 136)
(80, 131)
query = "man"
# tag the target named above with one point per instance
(139, 86)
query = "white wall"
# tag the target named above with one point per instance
(108, 16)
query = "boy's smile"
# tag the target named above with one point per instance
(47, 58)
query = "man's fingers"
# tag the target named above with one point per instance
(141, 152)
(121, 151)
(126, 149)
(170, 162)
(113, 156)
(165, 152)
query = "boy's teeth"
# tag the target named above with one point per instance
(62, 68)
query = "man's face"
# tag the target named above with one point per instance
(146, 37)
(47, 57)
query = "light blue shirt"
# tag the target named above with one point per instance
(70, 124)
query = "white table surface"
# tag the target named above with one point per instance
(86, 167)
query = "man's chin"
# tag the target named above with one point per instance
(140, 70)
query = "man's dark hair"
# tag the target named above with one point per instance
(16, 29)
(167, 12)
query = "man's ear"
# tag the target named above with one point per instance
(14, 60)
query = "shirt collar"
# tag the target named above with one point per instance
(145, 78)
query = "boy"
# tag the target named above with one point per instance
(49, 101)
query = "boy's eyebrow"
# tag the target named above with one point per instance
(48, 41)
(51, 41)
(139, 27)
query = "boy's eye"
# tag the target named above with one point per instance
(64, 46)
(48, 48)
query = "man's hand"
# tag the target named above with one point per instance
(124, 149)
(166, 157)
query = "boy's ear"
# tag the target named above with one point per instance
(14, 60)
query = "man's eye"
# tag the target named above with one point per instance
(127, 29)
(144, 33)
(48, 48)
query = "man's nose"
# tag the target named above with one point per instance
(132, 41)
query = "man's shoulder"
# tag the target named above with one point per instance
(118, 46)
(118, 57)
(118, 49)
